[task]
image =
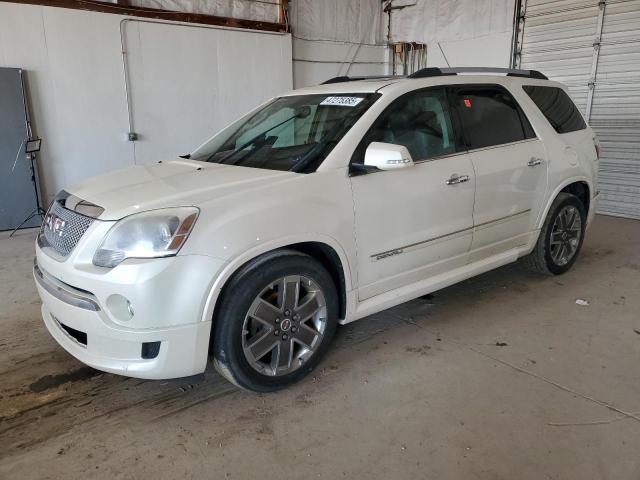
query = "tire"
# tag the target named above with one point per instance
(299, 338)
(547, 257)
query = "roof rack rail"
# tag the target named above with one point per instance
(440, 72)
(510, 72)
(431, 72)
(353, 79)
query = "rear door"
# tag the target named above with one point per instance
(510, 168)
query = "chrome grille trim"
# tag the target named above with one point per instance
(71, 227)
(65, 293)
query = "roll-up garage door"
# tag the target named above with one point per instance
(594, 48)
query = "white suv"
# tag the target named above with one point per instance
(320, 207)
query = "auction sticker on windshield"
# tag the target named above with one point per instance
(342, 101)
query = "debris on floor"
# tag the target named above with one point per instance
(501, 344)
(582, 302)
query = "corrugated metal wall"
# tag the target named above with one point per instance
(594, 48)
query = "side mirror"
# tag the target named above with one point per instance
(387, 156)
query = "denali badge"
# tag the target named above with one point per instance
(54, 224)
(390, 253)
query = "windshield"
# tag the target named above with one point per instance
(290, 133)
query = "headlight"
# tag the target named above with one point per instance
(157, 233)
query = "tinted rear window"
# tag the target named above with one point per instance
(490, 116)
(559, 109)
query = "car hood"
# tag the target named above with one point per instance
(170, 184)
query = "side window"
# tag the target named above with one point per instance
(557, 107)
(490, 116)
(420, 121)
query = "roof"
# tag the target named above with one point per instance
(432, 76)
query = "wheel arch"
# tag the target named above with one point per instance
(325, 250)
(581, 187)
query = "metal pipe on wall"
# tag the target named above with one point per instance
(132, 135)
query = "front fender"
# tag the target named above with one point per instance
(232, 266)
(316, 207)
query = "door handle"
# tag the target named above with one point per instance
(456, 179)
(534, 162)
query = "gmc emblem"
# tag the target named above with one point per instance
(54, 224)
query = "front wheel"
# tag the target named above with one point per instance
(560, 238)
(276, 319)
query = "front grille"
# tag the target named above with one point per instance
(64, 228)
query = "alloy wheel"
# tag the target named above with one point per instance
(565, 235)
(284, 325)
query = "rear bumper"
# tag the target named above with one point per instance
(593, 206)
(78, 321)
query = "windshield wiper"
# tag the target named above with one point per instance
(302, 113)
(262, 136)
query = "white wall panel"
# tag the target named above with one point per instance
(316, 61)
(431, 21)
(264, 10)
(356, 21)
(188, 82)
(337, 37)
(203, 79)
(487, 51)
(74, 72)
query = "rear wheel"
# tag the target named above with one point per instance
(276, 320)
(561, 237)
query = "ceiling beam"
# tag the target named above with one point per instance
(122, 8)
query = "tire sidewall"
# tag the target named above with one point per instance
(570, 200)
(237, 299)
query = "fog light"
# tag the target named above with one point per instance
(120, 307)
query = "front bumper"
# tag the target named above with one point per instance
(167, 336)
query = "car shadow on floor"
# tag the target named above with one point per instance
(80, 395)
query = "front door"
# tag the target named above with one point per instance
(510, 168)
(415, 222)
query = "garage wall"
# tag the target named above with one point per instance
(337, 37)
(264, 10)
(468, 33)
(75, 77)
(75, 92)
(187, 81)
(315, 61)
(74, 71)
(492, 50)
(594, 48)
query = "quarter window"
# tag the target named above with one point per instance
(420, 121)
(490, 116)
(557, 107)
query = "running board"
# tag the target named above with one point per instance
(404, 294)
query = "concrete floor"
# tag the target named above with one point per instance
(503, 376)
